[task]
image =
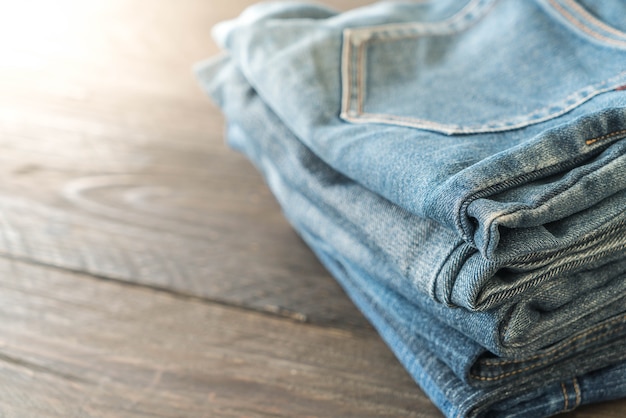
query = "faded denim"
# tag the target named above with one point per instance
(459, 374)
(444, 178)
(523, 160)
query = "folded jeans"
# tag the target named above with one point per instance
(452, 110)
(414, 247)
(469, 197)
(461, 376)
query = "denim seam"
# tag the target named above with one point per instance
(496, 298)
(591, 245)
(591, 19)
(563, 106)
(360, 78)
(578, 393)
(497, 363)
(565, 397)
(577, 396)
(462, 222)
(536, 365)
(577, 22)
(346, 88)
(600, 138)
(560, 190)
(552, 272)
(454, 20)
(572, 101)
(567, 348)
(591, 240)
(451, 25)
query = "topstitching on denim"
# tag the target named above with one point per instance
(355, 41)
(354, 82)
(583, 22)
(465, 225)
(374, 263)
(614, 135)
(602, 245)
(567, 404)
(611, 327)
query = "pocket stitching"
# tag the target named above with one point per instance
(583, 21)
(354, 76)
(537, 116)
(360, 37)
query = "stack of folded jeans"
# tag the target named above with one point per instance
(459, 166)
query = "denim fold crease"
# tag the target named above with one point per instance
(479, 226)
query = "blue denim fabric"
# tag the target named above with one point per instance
(415, 247)
(464, 154)
(461, 377)
(495, 119)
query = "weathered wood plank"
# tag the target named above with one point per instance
(73, 346)
(113, 162)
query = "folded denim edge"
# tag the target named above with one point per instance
(492, 347)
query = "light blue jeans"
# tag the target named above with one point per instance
(435, 158)
(548, 194)
(492, 118)
(433, 341)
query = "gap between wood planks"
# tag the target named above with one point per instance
(274, 311)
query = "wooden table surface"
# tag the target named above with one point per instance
(146, 269)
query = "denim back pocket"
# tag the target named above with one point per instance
(493, 66)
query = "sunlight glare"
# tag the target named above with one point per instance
(34, 31)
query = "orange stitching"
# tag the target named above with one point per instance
(591, 19)
(489, 362)
(494, 126)
(581, 25)
(600, 138)
(565, 397)
(360, 78)
(534, 366)
(577, 390)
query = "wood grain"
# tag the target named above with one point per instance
(146, 269)
(72, 346)
(114, 164)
